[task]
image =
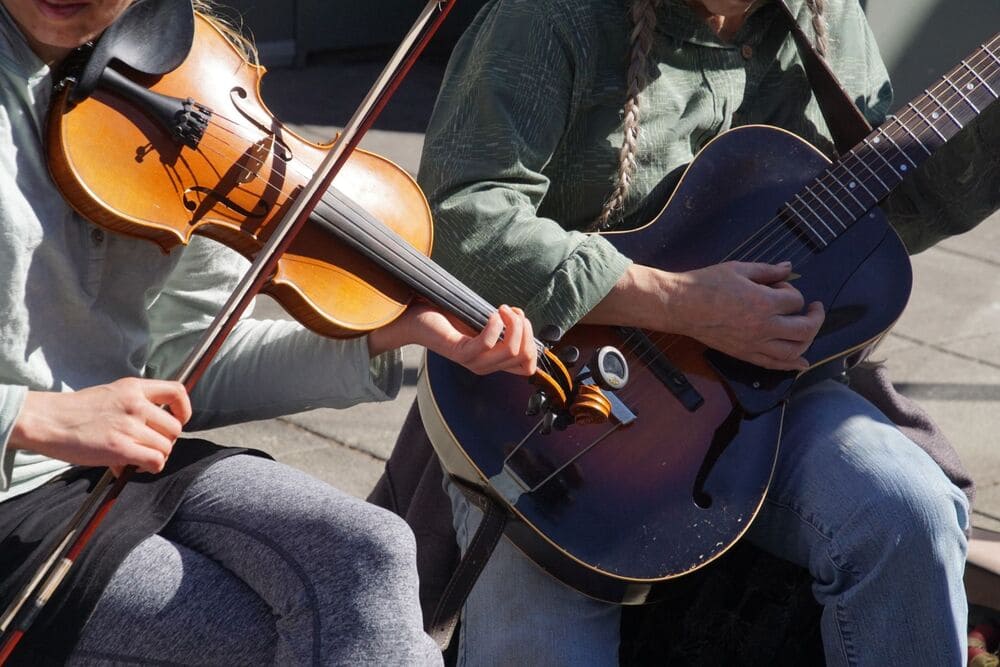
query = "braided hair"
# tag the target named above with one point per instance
(643, 15)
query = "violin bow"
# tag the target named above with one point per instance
(31, 599)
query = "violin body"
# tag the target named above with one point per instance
(234, 186)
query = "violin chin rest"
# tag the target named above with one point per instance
(150, 37)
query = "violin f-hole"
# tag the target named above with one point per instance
(279, 147)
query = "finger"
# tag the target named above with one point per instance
(529, 353)
(131, 451)
(513, 329)
(786, 299)
(163, 422)
(490, 334)
(765, 274)
(171, 394)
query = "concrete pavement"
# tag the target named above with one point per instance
(945, 350)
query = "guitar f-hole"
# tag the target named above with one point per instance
(724, 435)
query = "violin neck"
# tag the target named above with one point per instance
(350, 224)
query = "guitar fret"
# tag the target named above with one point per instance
(866, 166)
(926, 121)
(910, 132)
(901, 152)
(990, 53)
(820, 200)
(959, 91)
(817, 216)
(851, 186)
(840, 201)
(981, 79)
(946, 110)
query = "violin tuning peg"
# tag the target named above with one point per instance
(550, 334)
(569, 355)
(547, 422)
(536, 403)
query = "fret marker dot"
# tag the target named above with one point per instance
(935, 115)
(902, 167)
(851, 185)
(877, 139)
(969, 86)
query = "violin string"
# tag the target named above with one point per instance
(761, 240)
(480, 308)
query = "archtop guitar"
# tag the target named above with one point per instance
(680, 471)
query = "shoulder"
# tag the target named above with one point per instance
(579, 24)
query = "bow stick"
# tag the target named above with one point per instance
(22, 611)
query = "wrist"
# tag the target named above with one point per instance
(643, 297)
(29, 428)
(388, 337)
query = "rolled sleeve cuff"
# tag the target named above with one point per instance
(385, 373)
(579, 284)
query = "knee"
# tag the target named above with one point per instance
(383, 542)
(912, 528)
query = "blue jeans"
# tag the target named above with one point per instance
(866, 511)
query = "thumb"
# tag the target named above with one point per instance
(766, 274)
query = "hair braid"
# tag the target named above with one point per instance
(643, 15)
(818, 24)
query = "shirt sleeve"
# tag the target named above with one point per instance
(266, 368)
(499, 117)
(11, 399)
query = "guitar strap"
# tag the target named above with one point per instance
(848, 127)
(847, 124)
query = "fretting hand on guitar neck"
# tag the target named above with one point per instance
(733, 256)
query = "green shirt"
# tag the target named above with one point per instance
(522, 148)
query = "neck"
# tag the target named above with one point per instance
(724, 25)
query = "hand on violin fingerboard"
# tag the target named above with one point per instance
(506, 343)
(115, 425)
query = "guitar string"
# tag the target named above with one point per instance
(627, 395)
(776, 225)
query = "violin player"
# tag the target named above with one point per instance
(214, 555)
(558, 118)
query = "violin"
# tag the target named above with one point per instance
(196, 151)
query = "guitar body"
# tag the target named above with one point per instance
(669, 485)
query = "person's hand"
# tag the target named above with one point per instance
(747, 310)
(114, 425)
(482, 354)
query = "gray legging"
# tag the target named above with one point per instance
(263, 564)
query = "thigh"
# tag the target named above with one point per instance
(845, 473)
(168, 603)
(337, 572)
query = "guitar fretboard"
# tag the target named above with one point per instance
(855, 183)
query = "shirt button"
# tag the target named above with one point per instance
(97, 236)
(746, 51)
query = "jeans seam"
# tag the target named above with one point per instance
(285, 556)
(820, 530)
